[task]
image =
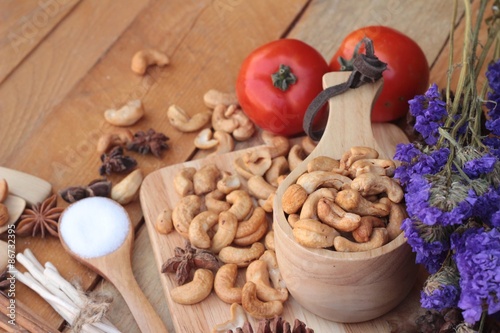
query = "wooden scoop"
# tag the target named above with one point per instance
(116, 267)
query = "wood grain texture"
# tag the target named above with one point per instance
(24, 26)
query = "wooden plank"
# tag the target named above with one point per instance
(24, 25)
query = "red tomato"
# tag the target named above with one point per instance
(407, 71)
(271, 108)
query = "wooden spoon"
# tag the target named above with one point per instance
(116, 267)
(15, 206)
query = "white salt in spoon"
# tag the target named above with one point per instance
(97, 232)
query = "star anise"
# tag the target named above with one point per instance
(96, 188)
(150, 141)
(115, 161)
(42, 218)
(275, 325)
(186, 260)
(5, 281)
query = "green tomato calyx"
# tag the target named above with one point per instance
(283, 78)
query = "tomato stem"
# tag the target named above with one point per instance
(283, 78)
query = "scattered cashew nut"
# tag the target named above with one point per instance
(257, 273)
(241, 202)
(180, 120)
(213, 97)
(205, 140)
(125, 191)
(227, 225)
(183, 181)
(145, 58)
(241, 256)
(205, 179)
(224, 284)
(199, 226)
(127, 115)
(119, 137)
(296, 155)
(195, 291)
(184, 212)
(257, 308)
(259, 188)
(163, 222)
(228, 183)
(238, 319)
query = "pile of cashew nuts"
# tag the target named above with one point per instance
(226, 213)
(348, 205)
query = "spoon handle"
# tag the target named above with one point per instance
(144, 314)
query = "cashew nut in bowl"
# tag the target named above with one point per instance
(242, 203)
(378, 238)
(224, 284)
(205, 140)
(180, 120)
(310, 207)
(312, 180)
(205, 179)
(370, 183)
(257, 273)
(183, 181)
(238, 320)
(334, 216)
(195, 291)
(397, 215)
(241, 256)
(322, 163)
(363, 233)
(352, 201)
(227, 225)
(308, 144)
(255, 307)
(259, 188)
(214, 97)
(314, 234)
(199, 226)
(292, 219)
(145, 58)
(119, 137)
(356, 153)
(377, 166)
(127, 115)
(293, 198)
(278, 145)
(184, 212)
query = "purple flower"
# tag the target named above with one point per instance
(494, 144)
(480, 166)
(493, 76)
(486, 207)
(477, 256)
(441, 298)
(493, 125)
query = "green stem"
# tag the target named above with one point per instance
(283, 78)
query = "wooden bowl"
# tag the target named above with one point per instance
(346, 287)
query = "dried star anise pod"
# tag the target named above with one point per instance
(115, 161)
(188, 259)
(4, 281)
(96, 188)
(41, 218)
(150, 141)
(275, 325)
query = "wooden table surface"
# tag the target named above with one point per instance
(63, 62)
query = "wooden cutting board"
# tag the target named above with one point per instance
(157, 192)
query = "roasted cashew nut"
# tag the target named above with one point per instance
(183, 181)
(292, 219)
(370, 183)
(228, 183)
(241, 203)
(267, 204)
(258, 274)
(127, 115)
(246, 127)
(213, 97)
(378, 238)
(227, 225)
(308, 144)
(224, 284)
(310, 207)
(356, 153)
(225, 143)
(222, 123)
(4, 189)
(322, 163)
(253, 237)
(180, 120)
(333, 215)
(215, 202)
(257, 161)
(126, 190)
(397, 215)
(119, 137)
(259, 188)
(312, 180)
(199, 226)
(145, 58)
(195, 291)
(269, 257)
(205, 140)
(249, 226)
(293, 198)
(255, 307)
(363, 233)
(269, 241)
(241, 168)
(163, 223)
(352, 201)
(278, 145)
(205, 179)
(184, 212)
(312, 233)
(377, 166)
(238, 319)
(241, 256)
(296, 155)
(279, 167)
